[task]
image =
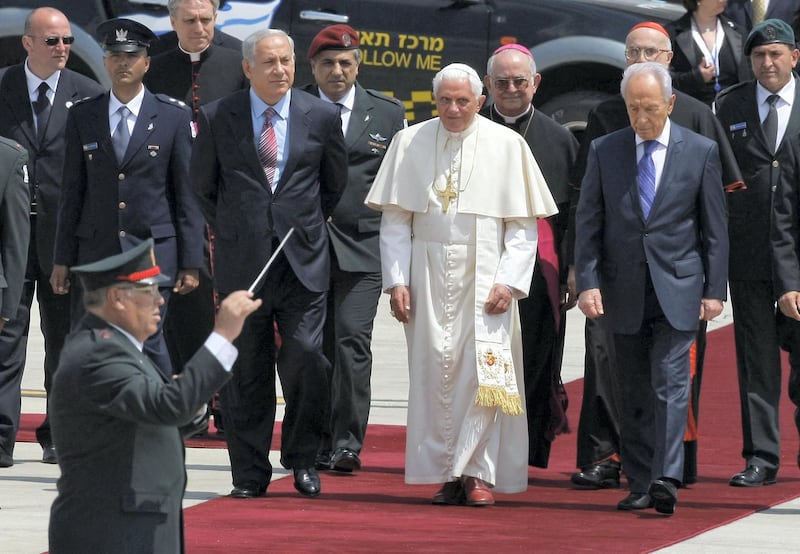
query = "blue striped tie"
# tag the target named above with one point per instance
(646, 177)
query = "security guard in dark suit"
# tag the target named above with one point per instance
(122, 482)
(369, 121)
(747, 111)
(126, 176)
(35, 97)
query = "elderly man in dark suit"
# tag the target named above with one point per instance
(762, 117)
(122, 483)
(369, 121)
(651, 258)
(34, 99)
(267, 161)
(126, 176)
(14, 237)
(512, 81)
(598, 428)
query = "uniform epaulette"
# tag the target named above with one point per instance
(385, 97)
(727, 90)
(12, 144)
(171, 101)
(80, 101)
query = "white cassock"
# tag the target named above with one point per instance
(465, 365)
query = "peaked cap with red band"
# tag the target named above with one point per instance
(136, 266)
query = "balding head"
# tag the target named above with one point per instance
(43, 24)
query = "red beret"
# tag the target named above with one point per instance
(335, 37)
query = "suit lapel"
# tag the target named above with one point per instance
(627, 159)
(298, 136)
(145, 125)
(359, 118)
(671, 164)
(242, 126)
(686, 43)
(66, 96)
(734, 40)
(15, 94)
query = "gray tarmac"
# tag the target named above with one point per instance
(28, 488)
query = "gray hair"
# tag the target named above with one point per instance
(490, 63)
(173, 5)
(458, 72)
(249, 44)
(655, 69)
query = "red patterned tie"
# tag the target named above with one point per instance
(268, 146)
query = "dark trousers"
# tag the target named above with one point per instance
(599, 423)
(352, 306)
(54, 318)
(249, 398)
(654, 373)
(538, 342)
(760, 331)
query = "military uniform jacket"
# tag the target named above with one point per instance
(750, 210)
(14, 225)
(45, 160)
(107, 207)
(115, 419)
(354, 227)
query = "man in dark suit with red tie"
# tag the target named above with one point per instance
(35, 97)
(268, 160)
(651, 259)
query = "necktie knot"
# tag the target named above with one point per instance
(43, 89)
(124, 112)
(269, 113)
(772, 99)
(650, 147)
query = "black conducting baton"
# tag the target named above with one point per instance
(257, 282)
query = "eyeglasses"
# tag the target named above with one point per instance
(520, 83)
(53, 41)
(148, 290)
(650, 54)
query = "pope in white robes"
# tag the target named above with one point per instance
(460, 196)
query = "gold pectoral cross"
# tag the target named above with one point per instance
(449, 193)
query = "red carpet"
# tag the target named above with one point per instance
(374, 511)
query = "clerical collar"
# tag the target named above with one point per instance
(511, 120)
(194, 56)
(460, 135)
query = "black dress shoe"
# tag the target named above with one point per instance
(306, 481)
(754, 476)
(248, 492)
(345, 459)
(664, 495)
(598, 476)
(323, 461)
(636, 501)
(49, 455)
(6, 460)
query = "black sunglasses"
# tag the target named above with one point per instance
(52, 41)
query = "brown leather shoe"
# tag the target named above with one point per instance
(477, 492)
(451, 494)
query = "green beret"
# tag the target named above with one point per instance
(769, 31)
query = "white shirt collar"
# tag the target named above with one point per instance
(786, 93)
(511, 119)
(135, 105)
(33, 82)
(347, 101)
(662, 139)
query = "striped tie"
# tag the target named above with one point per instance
(647, 177)
(268, 147)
